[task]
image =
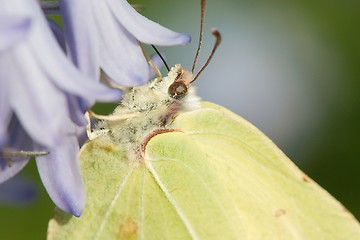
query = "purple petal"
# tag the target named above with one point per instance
(19, 141)
(13, 29)
(76, 111)
(17, 192)
(4, 109)
(58, 34)
(33, 100)
(80, 34)
(81, 135)
(65, 75)
(60, 174)
(9, 170)
(121, 57)
(32, 96)
(144, 29)
(50, 8)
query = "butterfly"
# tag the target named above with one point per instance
(165, 165)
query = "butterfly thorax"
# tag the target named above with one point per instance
(150, 108)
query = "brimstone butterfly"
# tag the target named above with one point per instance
(166, 166)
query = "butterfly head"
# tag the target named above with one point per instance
(179, 88)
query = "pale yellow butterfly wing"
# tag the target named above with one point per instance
(217, 177)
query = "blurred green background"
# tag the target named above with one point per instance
(292, 68)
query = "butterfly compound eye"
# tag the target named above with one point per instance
(177, 90)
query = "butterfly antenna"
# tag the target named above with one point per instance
(162, 59)
(217, 35)
(203, 6)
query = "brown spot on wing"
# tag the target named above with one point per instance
(305, 178)
(279, 212)
(128, 228)
(108, 147)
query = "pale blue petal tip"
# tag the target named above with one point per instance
(140, 80)
(106, 95)
(115, 95)
(187, 38)
(73, 206)
(77, 209)
(76, 212)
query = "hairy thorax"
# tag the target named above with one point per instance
(148, 110)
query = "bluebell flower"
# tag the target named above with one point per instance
(43, 95)
(38, 85)
(106, 34)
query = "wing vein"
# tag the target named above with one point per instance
(141, 235)
(182, 216)
(203, 182)
(108, 211)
